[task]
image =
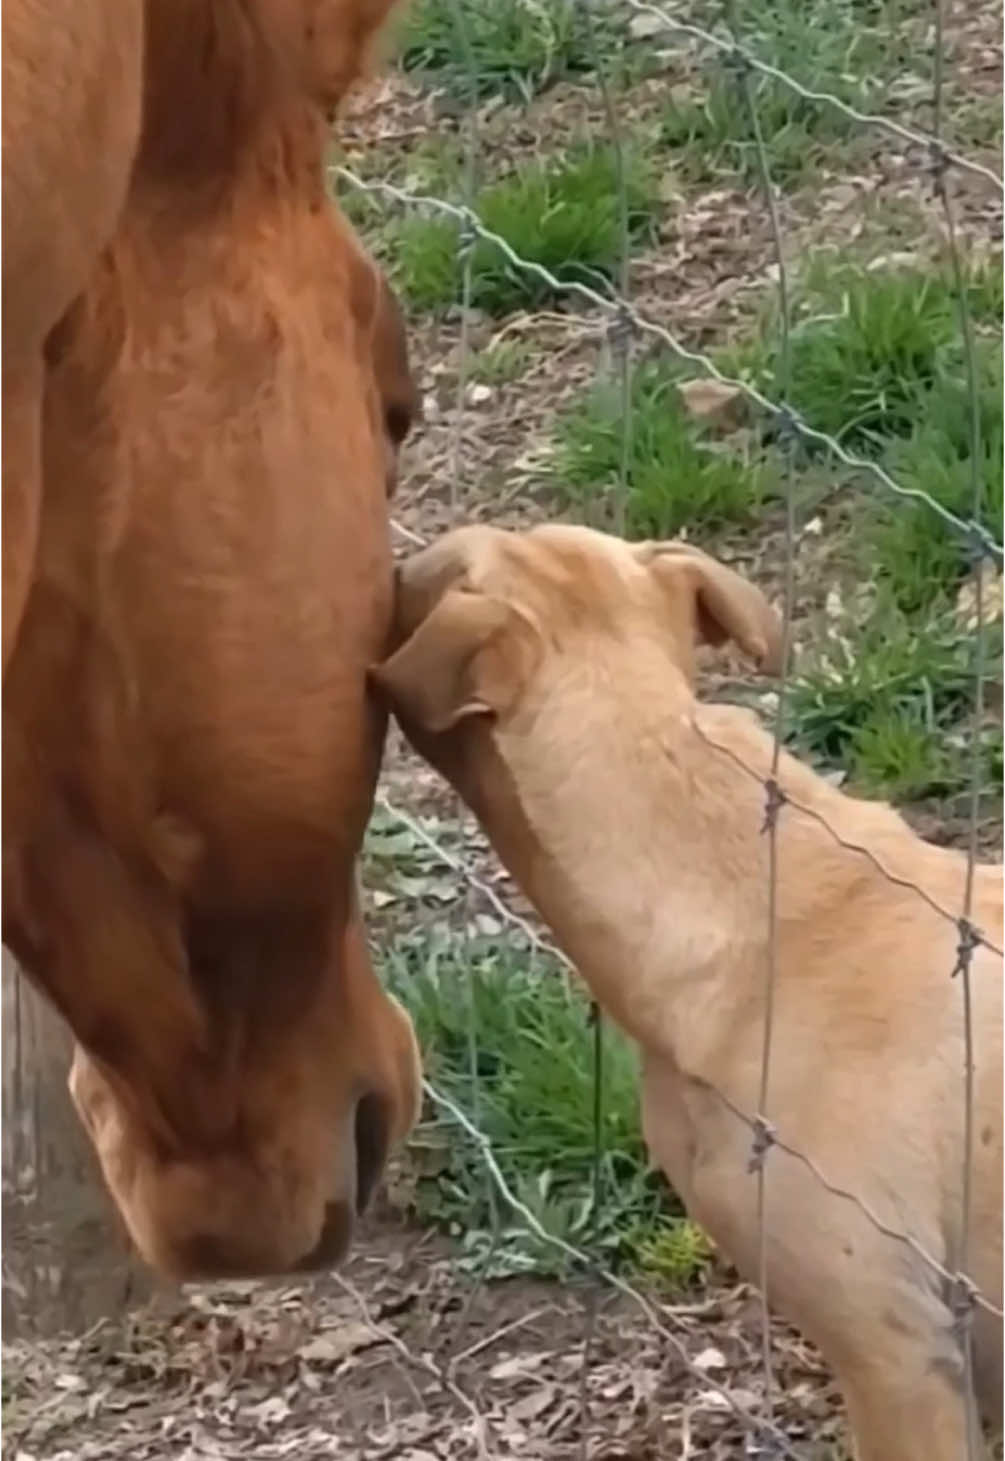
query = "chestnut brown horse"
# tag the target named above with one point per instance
(205, 385)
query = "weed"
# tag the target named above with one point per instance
(896, 754)
(518, 47)
(674, 1251)
(362, 210)
(978, 123)
(678, 474)
(504, 361)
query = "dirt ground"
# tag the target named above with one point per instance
(404, 1355)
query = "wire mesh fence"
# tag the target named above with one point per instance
(626, 325)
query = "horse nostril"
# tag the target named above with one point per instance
(333, 1245)
(373, 1133)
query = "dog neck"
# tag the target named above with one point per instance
(622, 807)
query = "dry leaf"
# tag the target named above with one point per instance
(711, 401)
(533, 1404)
(335, 1344)
(991, 599)
(518, 1364)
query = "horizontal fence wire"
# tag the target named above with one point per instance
(613, 306)
(613, 1280)
(730, 48)
(543, 945)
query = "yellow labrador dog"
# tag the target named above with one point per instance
(549, 676)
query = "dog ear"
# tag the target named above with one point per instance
(469, 656)
(725, 605)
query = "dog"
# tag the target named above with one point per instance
(549, 676)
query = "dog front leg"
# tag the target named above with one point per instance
(904, 1407)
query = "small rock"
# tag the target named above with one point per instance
(485, 926)
(478, 394)
(710, 1359)
(898, 260)
(641, 27)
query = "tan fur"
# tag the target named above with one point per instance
(575, 736)
(189, 754)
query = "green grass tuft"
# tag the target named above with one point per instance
(562, 215)
(868, 343)
(904, 544)
(533, 1097)
(710, 133)
(878, 362)
(893, 706)
(519, 47)
(679, 475)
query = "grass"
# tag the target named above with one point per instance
(868, 343)
(892, 705)
(678, 473)
(517, 48)
(877, 361)
(501, 362)
(710, 132)
(848, 49)
(528, 1082)
(562, 215)
(917, 557)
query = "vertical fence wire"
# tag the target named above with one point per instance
(963, 1298)
(774, 799)
(468, 242)
(619, 335)
(621, 329)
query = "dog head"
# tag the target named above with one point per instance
(489, 620)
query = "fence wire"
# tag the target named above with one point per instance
(962, 1299)
(772, 804)
(624, 324)
(731, 48)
